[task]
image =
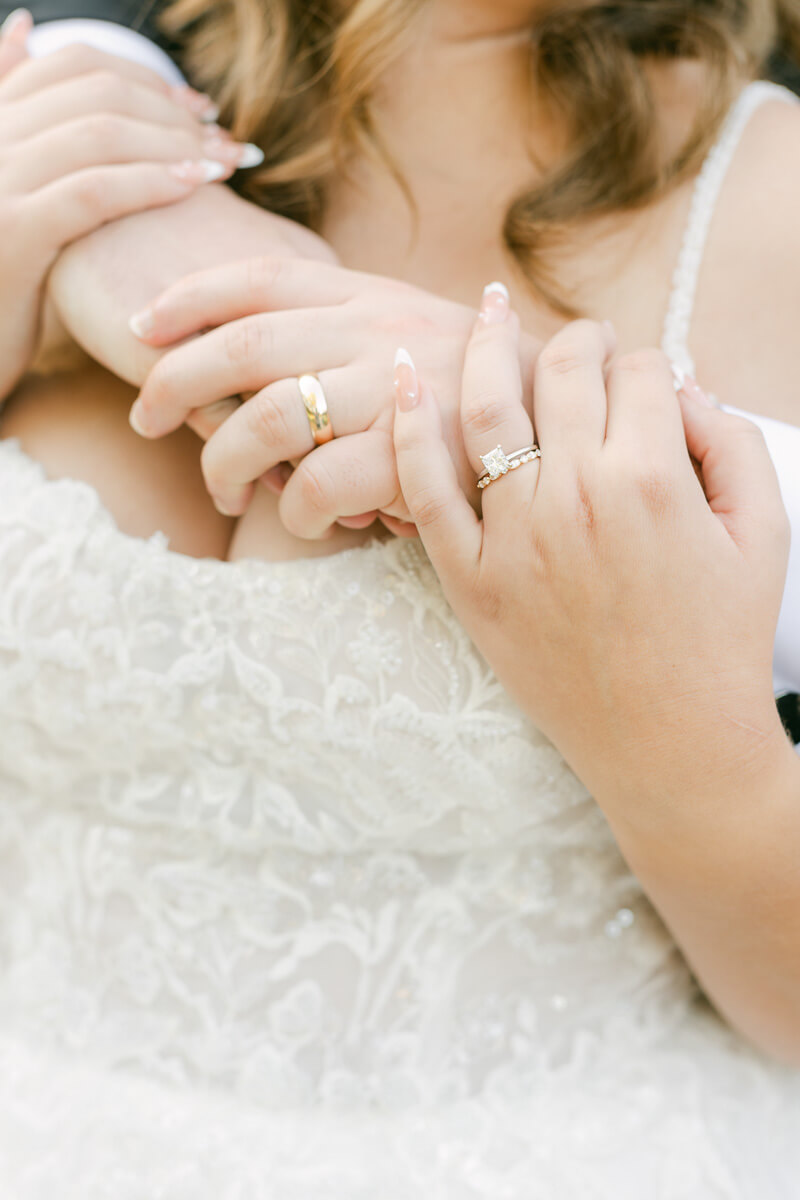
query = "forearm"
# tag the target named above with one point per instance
(99, 282)
(723, 871)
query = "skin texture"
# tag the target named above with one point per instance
(83, 141)
(620, 270)
(698, 782)
(710, 845)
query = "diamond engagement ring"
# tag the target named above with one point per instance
(497, 463)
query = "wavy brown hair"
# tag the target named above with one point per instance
(296, 76)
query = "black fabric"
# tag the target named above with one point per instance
(134, 14)
(789, 709)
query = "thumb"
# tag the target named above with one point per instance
(13, 40)
(739, 479)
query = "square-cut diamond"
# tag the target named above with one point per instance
(495, 462)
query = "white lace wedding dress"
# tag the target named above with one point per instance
(296, 905)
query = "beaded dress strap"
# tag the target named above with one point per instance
(675, 339)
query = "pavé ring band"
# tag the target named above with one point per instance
(498, 464)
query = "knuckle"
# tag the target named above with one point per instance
(262, 274)
(267, 420)
(246, 341)
(642, 362)
(655, 487)
(486, 411)
(89, 195)
(106, 89)
(102, 133)
(317, 488)
(428, 507)
(585, 505)
(747, 430)
(490, 601)
(563, 358)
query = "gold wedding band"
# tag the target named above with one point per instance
(316, 407)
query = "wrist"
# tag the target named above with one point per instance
(697, 788)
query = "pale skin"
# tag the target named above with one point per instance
(727, 885)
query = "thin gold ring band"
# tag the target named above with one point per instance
(498, 464)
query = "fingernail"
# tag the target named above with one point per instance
(406, 384)
(220, 507)
(238, 154)
(251, 156)
(134, 418)
(142, 323)
(495, 303)
(203, 171)
(610, 332)
(14, 21)
(692, 389)
(197, 102)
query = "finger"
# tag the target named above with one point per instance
(224, 294)
(72, 207)
(494, 421)
(206, 421)
(270, 428)
(402, 529)
(643, 413)
(451, 532)
(362, 521)
(97, 92)
(739, 477)
(105, 140)
(344, 478)
(569, 399)
(245, 355)
(13, 40)
(75, 60)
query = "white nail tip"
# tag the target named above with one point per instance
(136, 326)
(212, 170)
(497, 287)
(134, 424)
(209, 115)
(402, 356)
(251, 156)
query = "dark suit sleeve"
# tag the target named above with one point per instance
(140, 15)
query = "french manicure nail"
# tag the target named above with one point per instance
(14, 21)
(205, 170)
(220, 507)
(406, 384)
(142, 323)
(495, 303)
(251, 156)
(239, 154)
(692, 389)
(134, 419)
(198, 103)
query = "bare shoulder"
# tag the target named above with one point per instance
(747, 318)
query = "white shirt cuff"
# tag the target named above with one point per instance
(106, 36)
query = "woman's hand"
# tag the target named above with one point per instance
(274, 320)
(84, 139)
(630, 614)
